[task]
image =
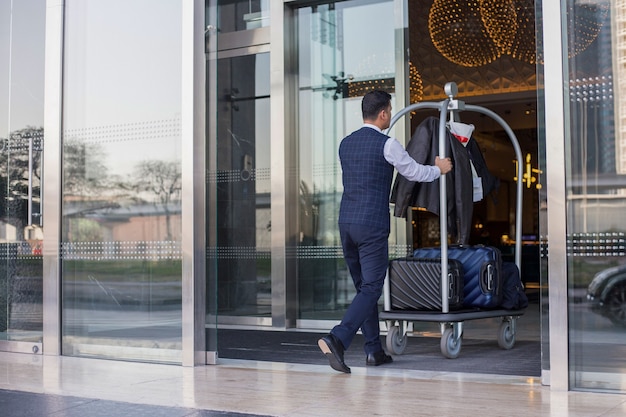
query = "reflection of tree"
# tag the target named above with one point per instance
(14, 175)
(85, 182)
(86, 230)
(84, 172)
(163, 179)
(309, 215)
(90, 189)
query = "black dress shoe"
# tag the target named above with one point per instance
(333, 349)
(378, 358)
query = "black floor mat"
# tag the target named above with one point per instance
(422, 353)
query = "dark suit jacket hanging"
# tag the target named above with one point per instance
(424, 147)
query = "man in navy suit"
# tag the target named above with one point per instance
(368, 158)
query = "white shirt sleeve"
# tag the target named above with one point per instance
(397, 156)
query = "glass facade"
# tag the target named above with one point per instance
(121, 207)
(596, 200)
(21, 145)
(121, 276)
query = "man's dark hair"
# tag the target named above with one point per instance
(373, 102)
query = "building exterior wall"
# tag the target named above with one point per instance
(118, 239)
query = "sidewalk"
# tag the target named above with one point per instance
(277, 389)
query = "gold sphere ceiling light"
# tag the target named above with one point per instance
(472, 33)
(514, 31)
(457, 31)
(500, 20)
(584, 22)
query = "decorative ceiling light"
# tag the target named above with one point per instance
(457, 31)
(359, 88)
(416, 86)
(386, 82)
(501, 22)
(584, 22)
(472, 33)
(515, 30)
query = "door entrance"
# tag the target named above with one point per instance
(333, 71)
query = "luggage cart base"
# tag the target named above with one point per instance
(451, 327)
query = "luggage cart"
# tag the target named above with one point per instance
(452, 322)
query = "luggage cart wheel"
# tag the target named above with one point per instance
(396, 341)
(450, 346)
(506, 334)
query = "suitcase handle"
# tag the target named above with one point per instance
(487, 278)
(451, 286)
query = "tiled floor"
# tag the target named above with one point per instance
(28, 404)
(276, 389)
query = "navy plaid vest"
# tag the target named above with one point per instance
(367, 179)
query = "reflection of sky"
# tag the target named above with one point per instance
(22, 41)
(364, 48)
(261, 119)
(122, 70)
(368, 50)
(363, 44)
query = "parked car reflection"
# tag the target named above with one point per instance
(607, 293)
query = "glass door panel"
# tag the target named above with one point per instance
(596, 194)
(242, 205)
(21, 148)
(121, 227)
(210, 21)
(336, 70)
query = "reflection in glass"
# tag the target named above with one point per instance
(121, 227)
(242, 181)
(331, 57)
(236, 15)
(21, 145)
(596, 203)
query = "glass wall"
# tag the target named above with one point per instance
(22, 38)
(596, 194)
(338, 62)
(121, 208)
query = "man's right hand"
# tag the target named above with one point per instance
(444, 165)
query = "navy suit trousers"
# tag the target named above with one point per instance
(365, 250)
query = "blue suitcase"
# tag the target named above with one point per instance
(482, 272)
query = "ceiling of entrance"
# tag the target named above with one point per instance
(490, 50)
(448, 42)
(484, 75)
